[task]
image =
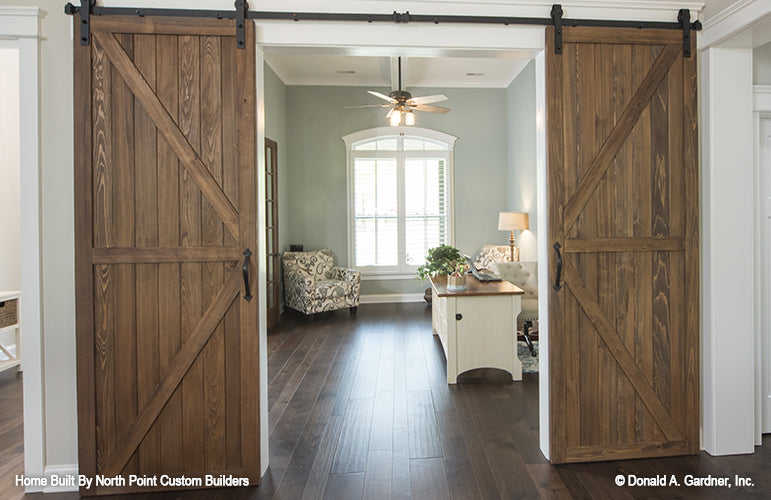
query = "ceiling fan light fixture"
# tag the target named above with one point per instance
(395, 118)
(409, 117)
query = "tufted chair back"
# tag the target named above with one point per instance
(522, 274)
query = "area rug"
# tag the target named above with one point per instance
(529, 363)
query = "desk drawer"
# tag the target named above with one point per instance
(9, 312)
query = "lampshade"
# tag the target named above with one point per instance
(512, 221)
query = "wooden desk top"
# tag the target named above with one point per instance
(474, 287)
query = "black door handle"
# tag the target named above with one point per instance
(245, 269)
(557, 285)
(459, 316)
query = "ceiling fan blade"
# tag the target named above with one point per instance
(428, 99)
(431, 109)
(369, 106)
(381, 96)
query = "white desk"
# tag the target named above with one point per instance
(477, 326)
(9, 325)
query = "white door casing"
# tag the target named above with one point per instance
(765, 171)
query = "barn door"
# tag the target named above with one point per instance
(623, 221)
(167, 341)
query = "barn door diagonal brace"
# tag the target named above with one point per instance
(241, 7)
(85, 18)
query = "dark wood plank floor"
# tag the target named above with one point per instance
(359, 408)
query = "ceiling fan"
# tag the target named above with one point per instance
(402, 104)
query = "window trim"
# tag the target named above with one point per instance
(351, 140)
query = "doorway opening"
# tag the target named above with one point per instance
(305, 114)
(10, 257)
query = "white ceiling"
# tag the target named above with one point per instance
(456, 68)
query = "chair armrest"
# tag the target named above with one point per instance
(351, 276)
(298, 281)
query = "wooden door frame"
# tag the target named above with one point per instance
(273, 147)
(241, 227)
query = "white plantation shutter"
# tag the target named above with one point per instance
(425, 207)
(400, 202)
(376, 212)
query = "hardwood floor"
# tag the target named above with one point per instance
(359, 407)
(11, 433)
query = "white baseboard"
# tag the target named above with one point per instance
(64, 472)
(390, 298)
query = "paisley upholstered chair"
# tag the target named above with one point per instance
(313, 284)
(489, 254)
(525, 276)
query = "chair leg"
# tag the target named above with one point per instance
(353, 310)
(526, 334)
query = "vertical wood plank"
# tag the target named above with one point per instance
(555, 125)
(146, 213)
(573, 352)
(102, 191)
(606, 221)
(572, 321)
(123, 229)
(212, 235)
(643, 267)
(169, 320)
(677, 214)
(590, 344)
(86, 335)
(250, 348)
(660, 342)
(193, 439)
(232, 318)
(691, 168)
(625, 210)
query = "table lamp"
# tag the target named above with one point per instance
(512, 221)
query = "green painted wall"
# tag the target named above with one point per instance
(316, 122)
(520, 102)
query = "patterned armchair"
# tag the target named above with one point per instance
(312, 283)
(490, 254)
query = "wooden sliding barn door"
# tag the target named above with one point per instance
(623, 214)
(165, 199)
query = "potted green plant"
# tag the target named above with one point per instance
(440, 261)
(456, 281)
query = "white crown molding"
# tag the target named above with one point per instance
(737, 18)
(19, 22)
(726, 13)
(761, 98)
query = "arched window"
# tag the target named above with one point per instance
(400, 200)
